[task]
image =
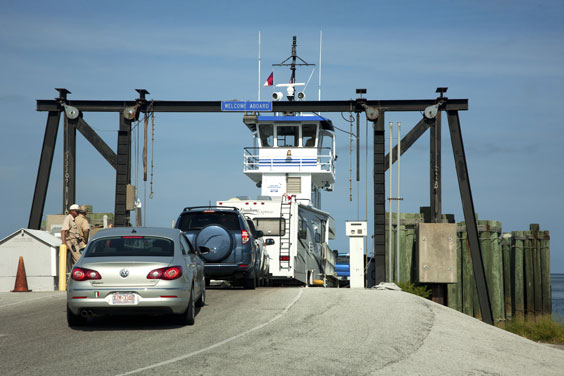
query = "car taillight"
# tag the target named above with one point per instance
(83, 274)
(284, 258)
(244, 236)
(168, 273)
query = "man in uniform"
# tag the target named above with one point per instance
(83, 225)
(70, 234)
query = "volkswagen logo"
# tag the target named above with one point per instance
(124, 273)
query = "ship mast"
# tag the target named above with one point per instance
(294, 58)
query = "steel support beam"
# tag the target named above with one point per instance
(469, 215)
(408, 140)
(435, 170)
(379, 201)
(44, 172)
(123, 171)
(69, 165)
(215, 106)
(96, 141)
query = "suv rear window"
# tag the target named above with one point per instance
(131, 246)
(198, 220)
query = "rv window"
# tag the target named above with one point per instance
(302, 229)
(271, 226)
(287, 135)
(266, 135)
(317, 226)
(317, 237)
(308, 135)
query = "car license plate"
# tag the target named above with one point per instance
(123, 298)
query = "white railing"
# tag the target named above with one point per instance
(322, 161)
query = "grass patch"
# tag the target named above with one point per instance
(415, 289)
(543, 329)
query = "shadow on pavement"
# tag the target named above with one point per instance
(131, 322)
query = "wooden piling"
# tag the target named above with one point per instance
(529, 276)
(454, 290)
(517, 268)
(467, 273)
(506, 256)
(406, 241)
(496, 259)
(537, 276)
(545, 266)
(518, 280)
(487, 259)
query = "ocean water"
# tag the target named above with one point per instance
(557, 282)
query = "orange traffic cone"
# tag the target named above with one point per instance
(21, 279)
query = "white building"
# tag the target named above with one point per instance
(39, 250)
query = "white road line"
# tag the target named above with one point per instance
(30, 300)
(189, 355)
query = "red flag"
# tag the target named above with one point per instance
(270, 80)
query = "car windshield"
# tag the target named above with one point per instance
(130, 246)
(198, 220)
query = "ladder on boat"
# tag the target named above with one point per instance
(285, 244)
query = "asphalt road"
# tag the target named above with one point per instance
(269, 331)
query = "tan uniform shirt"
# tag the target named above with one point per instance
(82, 225)
(73, 236)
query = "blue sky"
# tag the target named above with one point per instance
(506, 57)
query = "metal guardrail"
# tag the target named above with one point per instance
(319, 163)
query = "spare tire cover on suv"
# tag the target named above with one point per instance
(218, 239)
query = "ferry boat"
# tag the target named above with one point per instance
(292, 162)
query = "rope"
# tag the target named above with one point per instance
(350, 157)
(152, 149)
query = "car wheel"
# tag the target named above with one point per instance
(202, 299)
(75, 320)
(187, 318)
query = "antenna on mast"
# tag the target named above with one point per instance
(259, 67)
(294, 58)
(319, 81)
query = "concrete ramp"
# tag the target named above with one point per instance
(352, 332)
(269, 331)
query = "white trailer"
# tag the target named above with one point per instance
(296, 238)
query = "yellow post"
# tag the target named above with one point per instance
(62, 267)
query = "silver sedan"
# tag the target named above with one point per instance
(137, 271)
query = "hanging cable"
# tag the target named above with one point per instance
(350, 157)
(145, 126)
(138, 219)
(152, 149)
(366, 173)
(358, 199)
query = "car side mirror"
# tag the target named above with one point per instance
(269, 241)
(260, 234)
(203, 250)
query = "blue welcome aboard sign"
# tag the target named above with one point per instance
(243, 106)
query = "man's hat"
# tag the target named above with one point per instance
(83, 209)
(74, 207)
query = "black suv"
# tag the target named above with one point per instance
(224, 230)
